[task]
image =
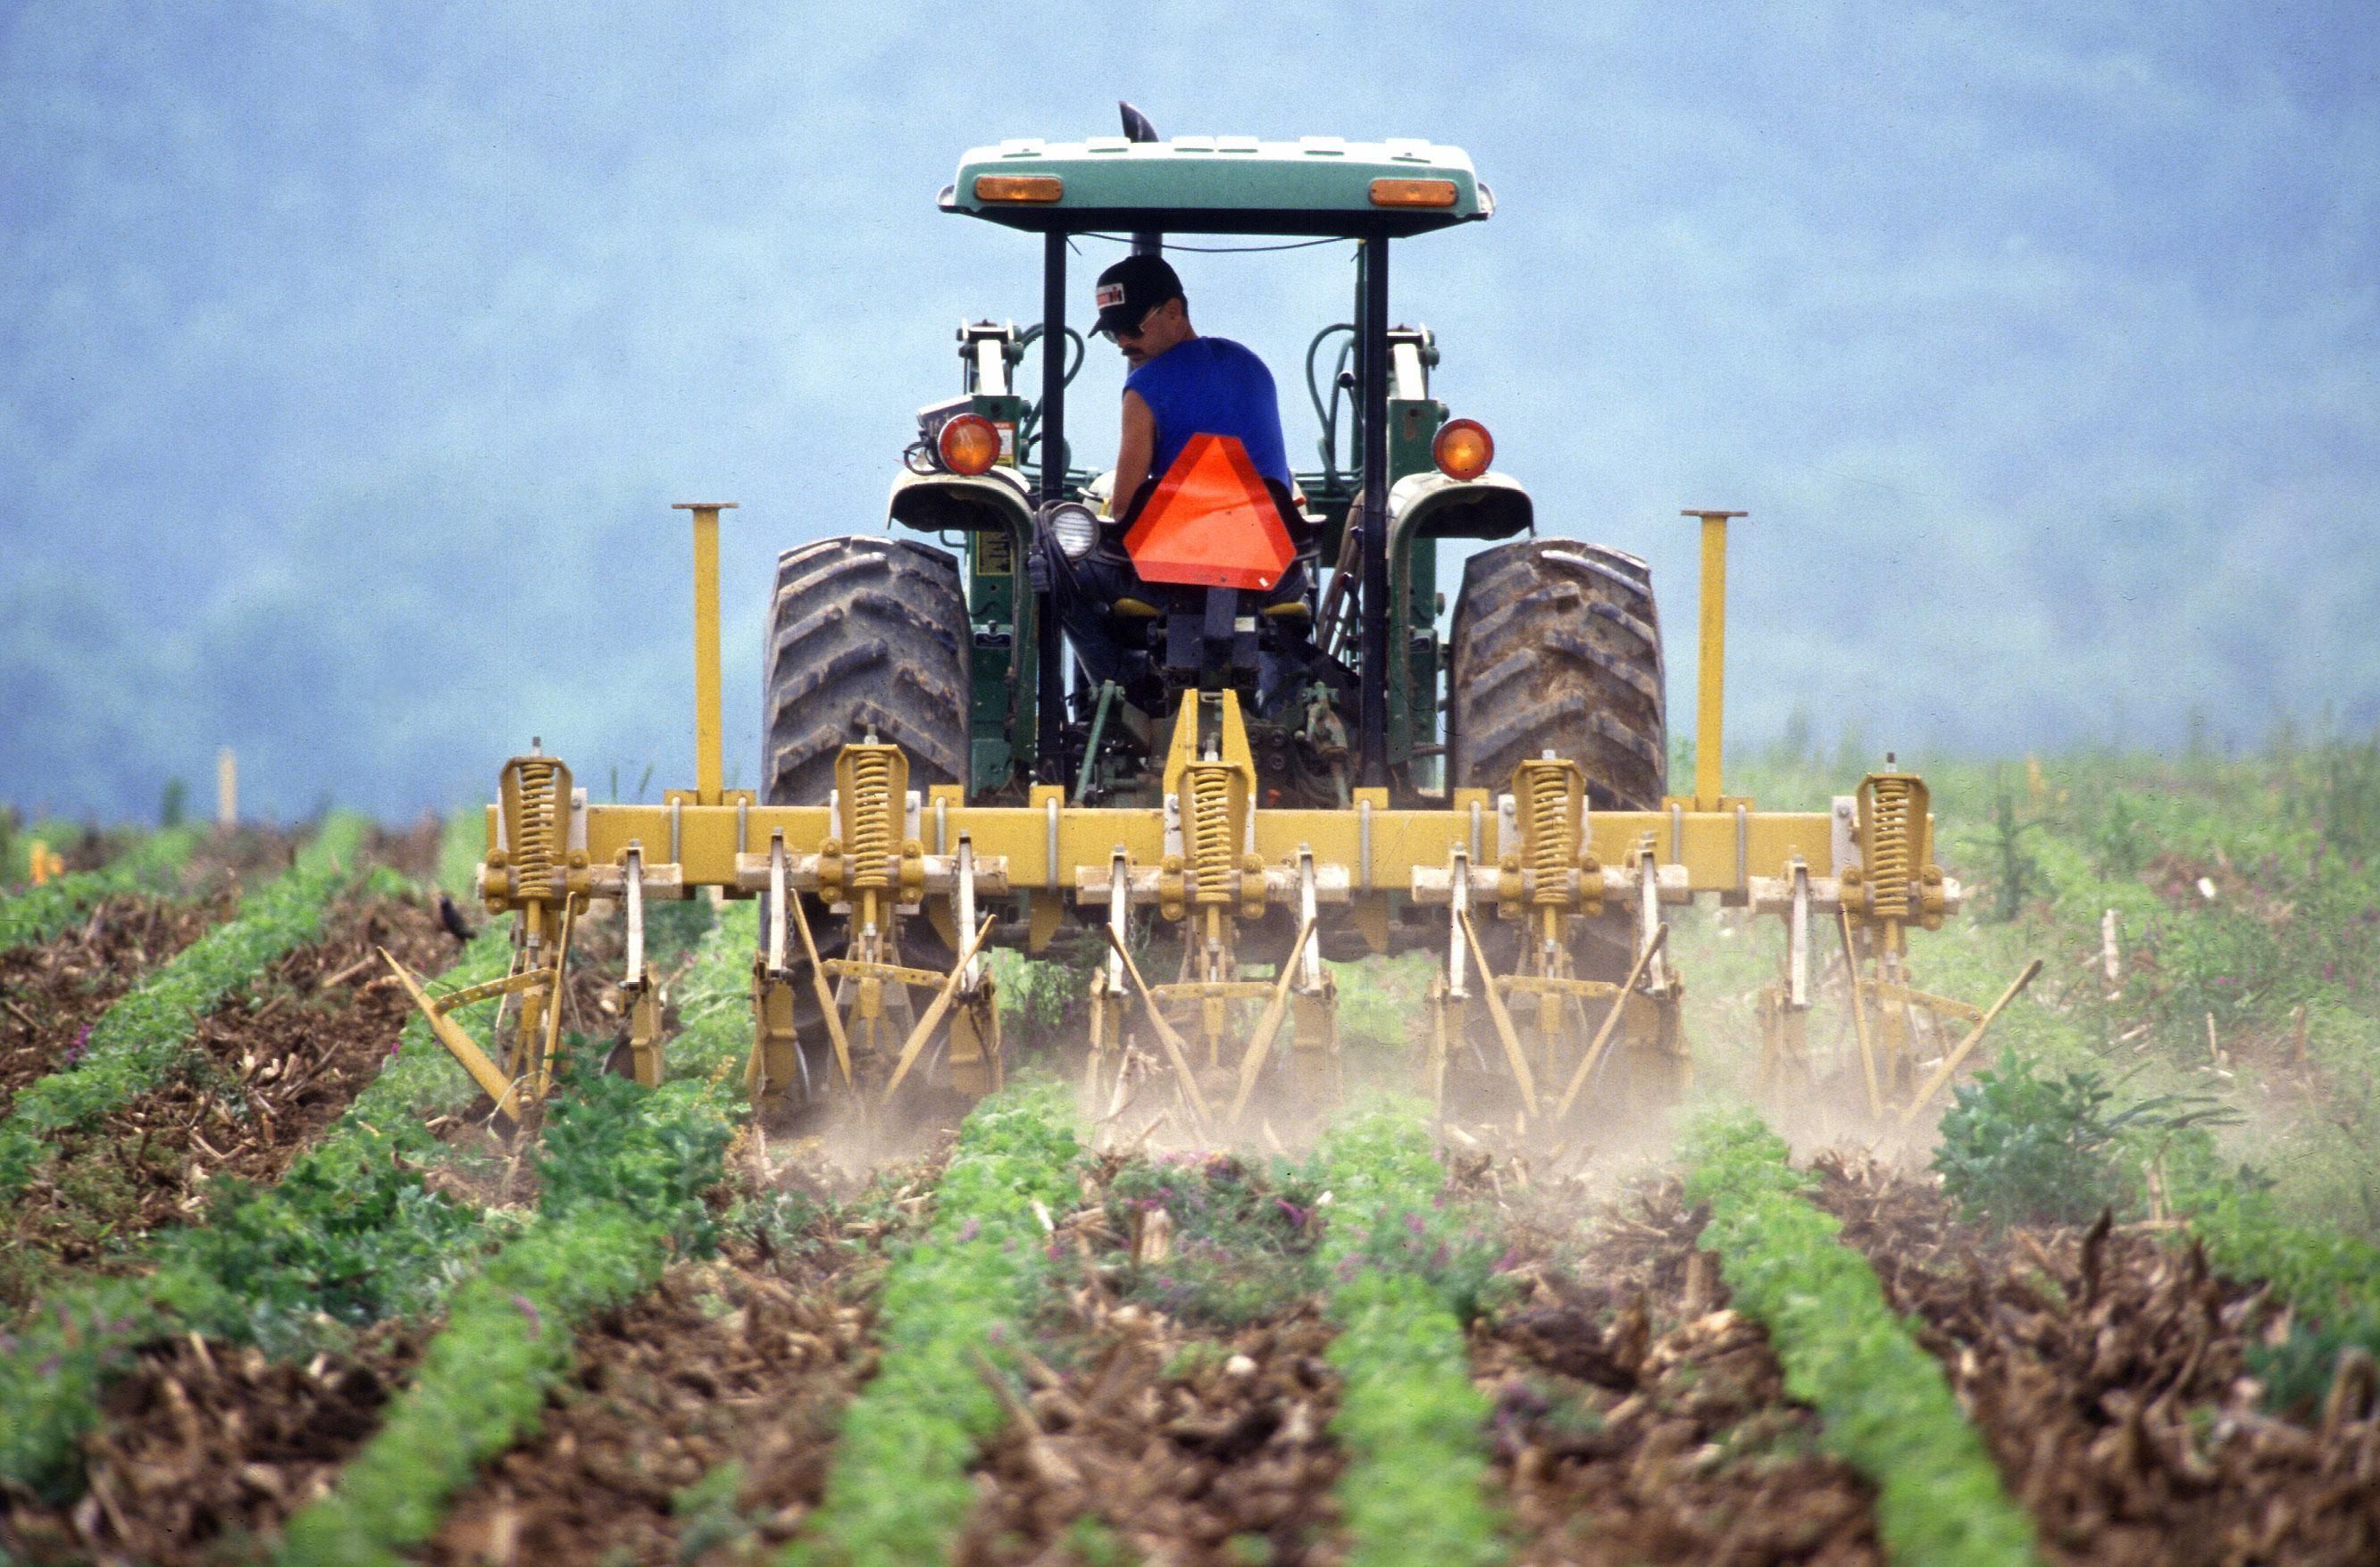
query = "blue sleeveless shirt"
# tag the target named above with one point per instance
(1212, 386)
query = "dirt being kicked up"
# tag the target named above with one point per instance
(52, 993)
(1639, 1421)
(2107, 1370)
(272, 1069)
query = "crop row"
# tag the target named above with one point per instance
(350, 1235)
(1403, 1273)
(37, 914)
(621, 1174)
(1886, 1408)
(899, 1488)
(138, 1040)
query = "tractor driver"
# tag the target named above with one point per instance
(1180, 384)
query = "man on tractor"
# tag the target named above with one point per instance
(1182, 386)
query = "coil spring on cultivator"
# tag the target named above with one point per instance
(873, 839)
(538, 790)
(1208, 830)
(1892, 849)
(1550, 827)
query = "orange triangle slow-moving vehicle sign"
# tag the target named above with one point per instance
(1211, 522)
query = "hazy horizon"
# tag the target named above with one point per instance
(354, 353)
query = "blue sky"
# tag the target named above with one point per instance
(351, 355)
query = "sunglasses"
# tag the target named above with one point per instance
(1118, 333)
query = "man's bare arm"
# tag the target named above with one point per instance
(1135, 449)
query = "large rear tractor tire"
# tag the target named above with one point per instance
(867, 636)
(1557, 645)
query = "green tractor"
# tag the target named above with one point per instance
(949, 645)
(949, 649)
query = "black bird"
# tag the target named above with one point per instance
(451, 919)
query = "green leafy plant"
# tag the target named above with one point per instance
(1409, 1418)
(483, 1378)
(350, 1235)
(2331, 1282)
(2014, 872)
(1886, 1407)
(1243, 1237)
(2022, 1148)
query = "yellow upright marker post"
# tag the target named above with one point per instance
(1710, 694)
(227, 789)
(709, 752)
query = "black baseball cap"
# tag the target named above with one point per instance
(1130, 290)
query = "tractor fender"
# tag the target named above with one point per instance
(955, 502)
(1431, 505)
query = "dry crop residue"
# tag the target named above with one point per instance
(1178, 1453)
(748, 1359)
(1183, 1444)
(50, 993)
(269, 1078)
(204, 1446)
(2107, 1372)
(1637, 1420)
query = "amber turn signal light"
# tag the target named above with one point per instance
(1408, 192)
(1019, 188)
(1463, 449)
(970, 444)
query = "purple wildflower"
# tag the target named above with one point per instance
(528, 1309)
(1296, 1215)
(1413, 1224)
(82, 1043)
(971, 1229)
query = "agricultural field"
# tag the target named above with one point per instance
(275, 1288)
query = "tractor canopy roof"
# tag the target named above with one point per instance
(1317, 185)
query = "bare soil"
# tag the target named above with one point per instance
(411, 850)
(2107, 1370)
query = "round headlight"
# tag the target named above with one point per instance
(1075, 528)
(970, 444)
(1463, 449)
